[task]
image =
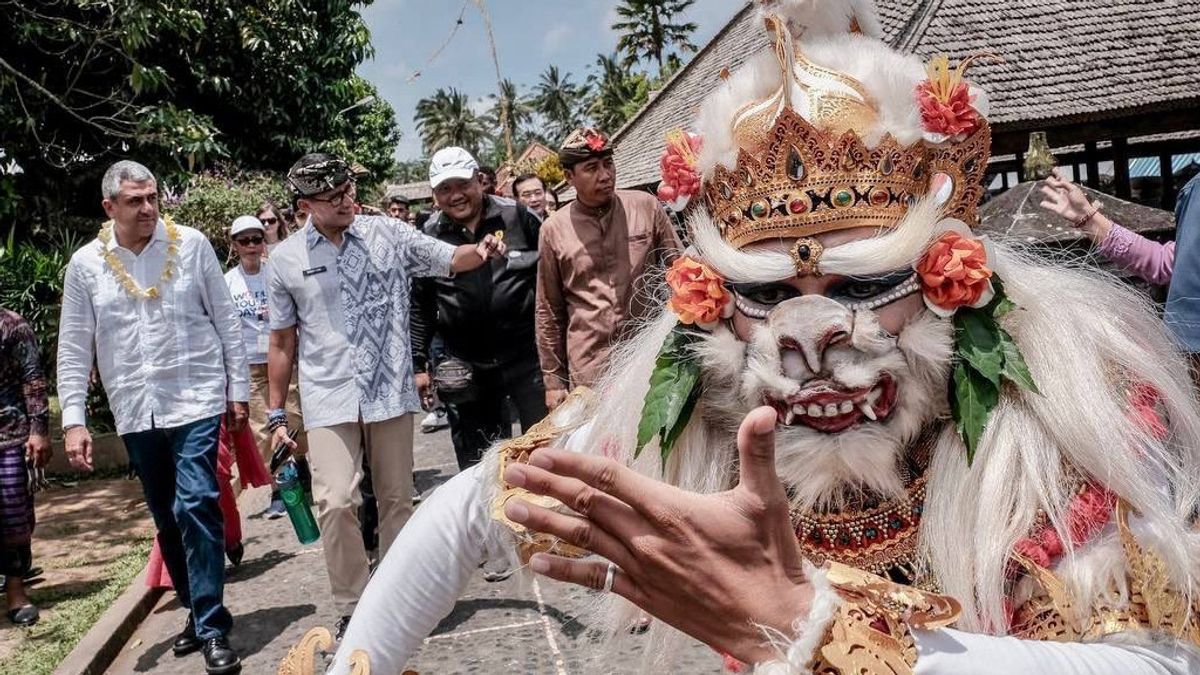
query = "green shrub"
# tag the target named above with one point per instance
(212, 200)
(31, 284)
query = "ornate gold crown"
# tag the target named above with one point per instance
(803, 169)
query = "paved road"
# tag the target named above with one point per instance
(280, 592)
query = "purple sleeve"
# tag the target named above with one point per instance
(1134, 253)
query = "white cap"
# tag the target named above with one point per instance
(243, 223)
(450, 163)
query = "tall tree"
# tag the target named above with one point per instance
(508, 114)
(178, 84)
(648, 32)
(446, 119)
(618, 93)
(558, 99)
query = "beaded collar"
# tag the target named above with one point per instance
(879, 538)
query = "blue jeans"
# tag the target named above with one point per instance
(178, 470)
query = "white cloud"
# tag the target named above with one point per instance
(554, 38)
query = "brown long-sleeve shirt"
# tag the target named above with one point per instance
(591, 283)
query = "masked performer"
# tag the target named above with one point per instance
(988, 462)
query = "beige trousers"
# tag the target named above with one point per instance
(260, 404)
(336, 457)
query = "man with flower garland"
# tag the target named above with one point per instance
(859, 438)
(147, 300)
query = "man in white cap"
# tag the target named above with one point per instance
(484, 317)
(344, 283)
(247, 284)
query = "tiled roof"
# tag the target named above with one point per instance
(1062, 60)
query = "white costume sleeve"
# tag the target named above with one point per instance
(952, 652)
(425, 572)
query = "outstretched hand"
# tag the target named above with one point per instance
(490, 247)
(718, 567)
(1070, 201)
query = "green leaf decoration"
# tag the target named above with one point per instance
(987, 355)
(977, 337)
(673, 392)
(1002, 307)
(676, 430)
(1015, 369)
(973, 397)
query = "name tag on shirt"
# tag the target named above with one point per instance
(314, 270)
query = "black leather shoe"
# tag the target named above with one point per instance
(339, 629)
(235, 554)
(186, 642)
(219, 659)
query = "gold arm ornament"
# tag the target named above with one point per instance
(871, 631)
(302, 659)
(1155, 605)
(517, 450)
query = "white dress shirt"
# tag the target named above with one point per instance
(164, 362)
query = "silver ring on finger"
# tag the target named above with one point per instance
(609, 577)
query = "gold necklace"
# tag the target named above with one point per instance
(124, 278)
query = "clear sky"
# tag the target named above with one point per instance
(530, 35)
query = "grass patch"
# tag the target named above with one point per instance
(46, 644)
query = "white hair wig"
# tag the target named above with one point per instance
(1086, 356)
(889, 80)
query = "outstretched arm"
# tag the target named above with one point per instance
(425, 572)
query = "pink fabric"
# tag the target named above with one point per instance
(251, 470)
(1147, 259)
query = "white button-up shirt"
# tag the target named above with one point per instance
(351, 304)
(164, 362)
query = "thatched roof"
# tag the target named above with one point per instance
(1063, 60)
(1017, 215)
(413, 192)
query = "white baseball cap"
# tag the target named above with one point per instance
(449, 163)
(243, 223)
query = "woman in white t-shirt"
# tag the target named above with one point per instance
(247, 284)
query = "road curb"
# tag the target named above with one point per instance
(104, 641)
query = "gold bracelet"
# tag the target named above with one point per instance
(871, 632)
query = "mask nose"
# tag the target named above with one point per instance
(810, 325)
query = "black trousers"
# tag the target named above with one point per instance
(476, 424)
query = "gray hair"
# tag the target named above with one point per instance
(124, 170)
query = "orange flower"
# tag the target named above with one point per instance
(954, 273)
(699, 292)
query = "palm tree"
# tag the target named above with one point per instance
(508, 114)
(647, 32)
(446, 119)
(618, 93)
(557, 99)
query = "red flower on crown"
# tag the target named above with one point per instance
(595, 140)
(945, 100)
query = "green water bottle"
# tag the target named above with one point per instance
(291, 490)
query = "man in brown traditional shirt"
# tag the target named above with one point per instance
(593, 257)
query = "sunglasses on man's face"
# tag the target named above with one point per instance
(249, 241)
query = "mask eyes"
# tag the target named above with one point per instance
(757, 300)
(768, 295)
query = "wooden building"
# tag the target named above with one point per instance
(1110, 81)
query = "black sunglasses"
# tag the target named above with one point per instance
(249, 241)
(268, 221)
